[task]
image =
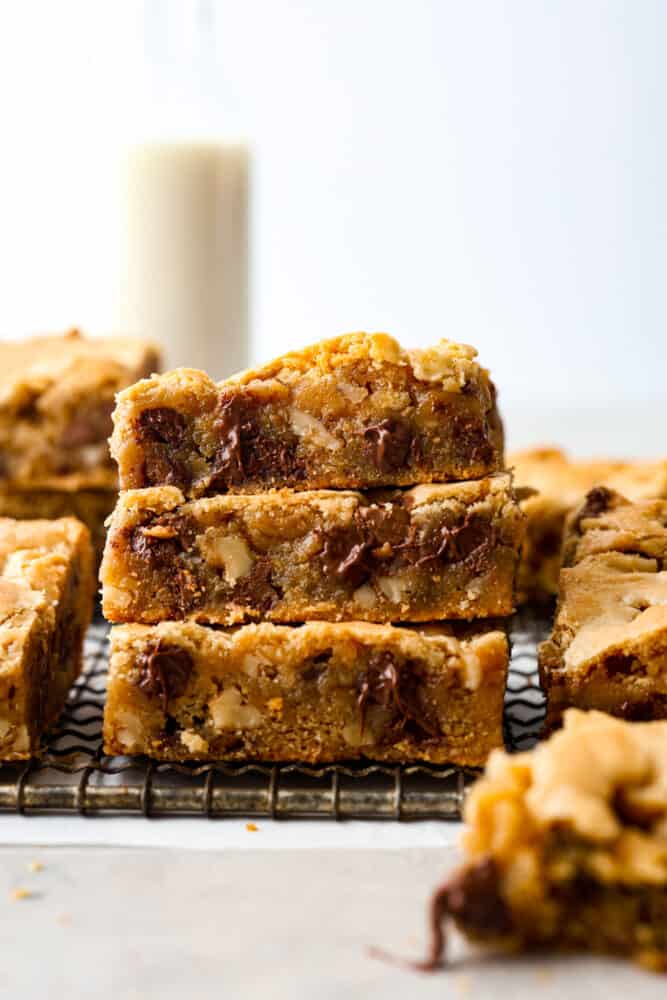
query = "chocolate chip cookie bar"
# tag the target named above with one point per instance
(608, 648)
(556, 485)
(567, 846)
(56, 398)
(312, 693)
(351, 413)
(47, 586)
(430, 552)
(92, 507)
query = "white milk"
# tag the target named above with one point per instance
(184, 252)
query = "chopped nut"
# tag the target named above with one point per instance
(365, 596)
(227, 711)
(194, 742)
(35, 866)
(230, 553)
(393, 588)
(21, 893)
(304, 425)
(251, 827)
(275, 705)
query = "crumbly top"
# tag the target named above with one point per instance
(41, 361)
(473, 651)
(600, 779)
(553, 474)
(447, 364)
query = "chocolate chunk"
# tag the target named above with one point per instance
(475, 901)
(389, 444)
(347, 556)
(227, 464)
(160, 552)
(162, 425)
(618, 663)
(597, 502)
(470, 542)
(248, 450)
(164, 672)
(163, 432)
(90, 425)
(257, 589)
(390, 685)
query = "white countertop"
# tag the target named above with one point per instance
(124, 925)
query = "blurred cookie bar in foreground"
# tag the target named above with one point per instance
(566, 846)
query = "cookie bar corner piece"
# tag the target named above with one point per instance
(315, 693)
(47, 586)
(354, 412)
(566, 846)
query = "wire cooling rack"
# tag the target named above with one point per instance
(75, 776)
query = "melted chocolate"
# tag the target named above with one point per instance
(390, 685)
(164, 672)
(389, 443)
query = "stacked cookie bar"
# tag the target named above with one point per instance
(279, 536)
(56, 398)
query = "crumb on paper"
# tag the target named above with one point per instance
(35, 866)
(21, 893)
(251, 827)
(463, 984)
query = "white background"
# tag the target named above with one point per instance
(489, 171)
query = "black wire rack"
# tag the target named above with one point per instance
(75, 776)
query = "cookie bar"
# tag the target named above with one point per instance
(56, 398)
(430, 552)
(92, 507)
(608, 648)
(315, 692)
(354, 412)
(561, 484)
(566, 846)
(47, 586)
